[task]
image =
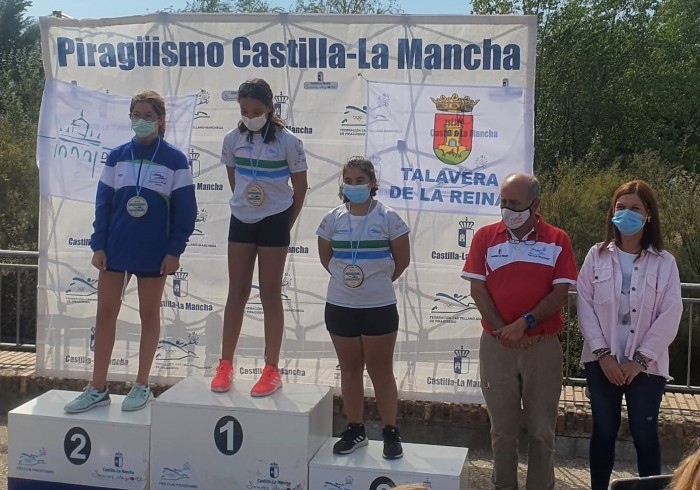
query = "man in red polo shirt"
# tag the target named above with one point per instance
(520, 270)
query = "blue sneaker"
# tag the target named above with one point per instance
(138, 398)
(88, 399)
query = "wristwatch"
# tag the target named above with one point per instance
(530, 320)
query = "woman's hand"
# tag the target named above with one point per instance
(99, 260)
(612, 370)
(630, 370)
(170, 264)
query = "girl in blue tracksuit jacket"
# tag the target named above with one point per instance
(145, 211)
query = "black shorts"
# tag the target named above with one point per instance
(272, 231)
(137, 274)
(354, 322)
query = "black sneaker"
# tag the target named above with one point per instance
(392, 443)
(352, 438)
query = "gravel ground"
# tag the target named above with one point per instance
(570, 473)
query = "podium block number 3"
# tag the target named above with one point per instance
(228, 435)
(77, 445)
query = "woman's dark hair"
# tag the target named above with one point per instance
(156, 102)
(652, 228)
(366, 167)
(260, 90)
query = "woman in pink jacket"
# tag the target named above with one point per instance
(629, 308)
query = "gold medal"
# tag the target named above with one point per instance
(254, 194)
(353, 276)
(136, 206)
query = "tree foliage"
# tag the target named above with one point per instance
(614, 78)
(21, 82)
(348, 6)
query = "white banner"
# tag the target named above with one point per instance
(312, 63)
(78, 128)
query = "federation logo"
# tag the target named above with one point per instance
(179, 349)
(453, 304)
(453, 127)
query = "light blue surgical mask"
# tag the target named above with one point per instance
(628, 221)
(356, 194)
(143, 128)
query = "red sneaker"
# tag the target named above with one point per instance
(223, 379)
(269, 382)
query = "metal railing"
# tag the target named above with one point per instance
(19, 333)
(573, 342)
(18, 286)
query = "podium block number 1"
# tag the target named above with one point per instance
(77, 445)
(228, 435)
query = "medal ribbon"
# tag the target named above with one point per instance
(138, 177)
(355, 249)
(254, 166)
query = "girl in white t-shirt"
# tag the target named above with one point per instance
(364, 245)
(262, 158)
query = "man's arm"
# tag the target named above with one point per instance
(513, 333)
(485, 304)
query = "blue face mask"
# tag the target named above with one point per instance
(628, 222)
(356, 194)
(143, 128)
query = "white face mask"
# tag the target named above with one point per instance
(255, 123)
(515, 219)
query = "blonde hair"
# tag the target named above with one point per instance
(687, 475)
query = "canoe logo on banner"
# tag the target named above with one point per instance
(30, 459)
(178, 349)
(346, 484)
(81, 289)
(453, 127)
(177, 474)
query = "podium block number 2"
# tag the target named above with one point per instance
(77, 445)
(228, 435)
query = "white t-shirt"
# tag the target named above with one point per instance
(266, 165)
(374, 232)
(623, 314)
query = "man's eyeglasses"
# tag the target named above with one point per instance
(526, 241)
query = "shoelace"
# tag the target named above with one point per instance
(87, 393)
(220, 369)
(139, 390)
(268, 374)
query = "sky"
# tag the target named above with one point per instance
(80, 9)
